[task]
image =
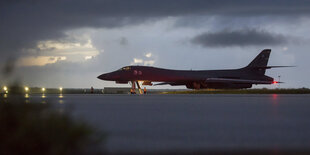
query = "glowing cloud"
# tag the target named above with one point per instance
(148, 55)
(149, 63)
(47, 45)
(137, 61)
(39, 61)
(74, 52)
(88, 57)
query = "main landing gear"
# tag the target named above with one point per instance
(133, 88)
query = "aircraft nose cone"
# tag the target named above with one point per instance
(109, 76)
(103, 77)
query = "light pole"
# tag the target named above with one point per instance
(279, 80)
(26, 91)
(60, 90)
(43, 91)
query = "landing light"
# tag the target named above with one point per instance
(26, 89)
(43, 89)
(60, 88)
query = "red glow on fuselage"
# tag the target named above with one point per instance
(274, 82)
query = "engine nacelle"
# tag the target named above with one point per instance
(196, 85)
(229, 85)
(121, 82)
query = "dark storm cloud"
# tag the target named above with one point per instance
(24, 23)
(245, 37)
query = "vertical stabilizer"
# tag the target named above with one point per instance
(259, 64)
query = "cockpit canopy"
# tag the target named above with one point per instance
(127, 68)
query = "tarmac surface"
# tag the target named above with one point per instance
(148, 123)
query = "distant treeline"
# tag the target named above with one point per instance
(243, 91)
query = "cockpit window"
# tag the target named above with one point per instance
(125, 68)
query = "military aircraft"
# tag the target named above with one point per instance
(245, 77)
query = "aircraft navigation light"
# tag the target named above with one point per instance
(60, 88)
(5, 88)
(43, 89)
(274, 82)
(26, 89)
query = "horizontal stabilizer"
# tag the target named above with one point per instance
(269, 67)
(244, 81)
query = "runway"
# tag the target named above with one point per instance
(192, 122)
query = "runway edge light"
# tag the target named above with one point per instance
(5, 89)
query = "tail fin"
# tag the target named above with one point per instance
(259, 64)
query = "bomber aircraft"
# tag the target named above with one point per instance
(253, 73)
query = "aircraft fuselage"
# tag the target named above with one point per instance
(245, 77)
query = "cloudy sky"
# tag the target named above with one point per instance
(70, 42)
